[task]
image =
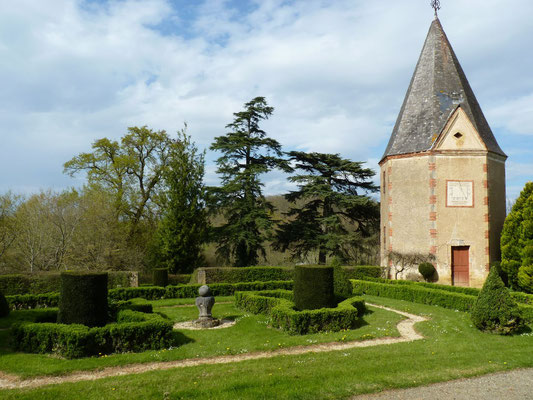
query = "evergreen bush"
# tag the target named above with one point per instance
(427, 270)
(525, 278)
(517, 236)
(313, 287)
(160, 276)
(4, 306)
(342, 286)
(134, 331)
(278, 305)
(494, 310)
(83, 298)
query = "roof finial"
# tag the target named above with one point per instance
(436, 6)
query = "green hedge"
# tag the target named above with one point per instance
(29, 301)
(147, 332)
(428, 295)
(21, 302)
(283, 315)
(519, 297)
(362, 271)
(456, 289)
(83, 298)
(191, 291)
(4, 306)
(14, 284)
(160, 277)
(313, 287)
(247, 274)
(416, 294)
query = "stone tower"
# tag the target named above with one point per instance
(442, 174)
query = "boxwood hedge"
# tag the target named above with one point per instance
(313, 287)
(247, 274)
(428, 295)
(278, 305)
(134, 331)
(18, 284)
(83, 298)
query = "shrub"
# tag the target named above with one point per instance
(28, 301)
(48, 282)
(189, 291)
(517, 236)
(494, 310)
(342, 287)
(416, 294)
(525, 278)
(83, 298)
(427, 270)
(135, 331)
(283, 314)
(246, 274)
(178, 279)
(313, 287)
(4, 306)
(160, 276)
(363, 271)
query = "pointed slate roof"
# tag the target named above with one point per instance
(437, 88)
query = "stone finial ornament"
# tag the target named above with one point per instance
(205, 304)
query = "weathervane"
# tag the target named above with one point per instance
(436, 6)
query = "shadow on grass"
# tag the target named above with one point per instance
(179, 339)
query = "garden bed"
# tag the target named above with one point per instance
(279, 306)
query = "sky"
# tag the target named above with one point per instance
(336, 73)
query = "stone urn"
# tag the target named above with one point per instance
(205, 303)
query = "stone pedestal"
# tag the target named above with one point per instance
(205, 304)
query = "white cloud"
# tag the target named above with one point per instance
(336, 72)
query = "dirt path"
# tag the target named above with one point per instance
(405, 327)
(509, 385)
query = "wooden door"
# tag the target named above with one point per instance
(460, 266)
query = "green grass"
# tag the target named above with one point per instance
(250, 334)
(452, 349)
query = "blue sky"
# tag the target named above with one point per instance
(73, 71)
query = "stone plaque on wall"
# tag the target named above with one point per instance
(459, 194)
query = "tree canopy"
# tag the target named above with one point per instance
(336, 215)
(247, 153)
(517, 241)
(182, 230)
(131, 170)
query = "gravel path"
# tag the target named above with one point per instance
(405, 327)
(511, 385)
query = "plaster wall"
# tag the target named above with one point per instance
(464, 225)
(405, 206)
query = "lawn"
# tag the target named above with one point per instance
(250, 334)
(452, 349)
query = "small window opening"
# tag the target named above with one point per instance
(458, 135)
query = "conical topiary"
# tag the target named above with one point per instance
(495, 310)
(4, 307)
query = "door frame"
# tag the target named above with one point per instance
(467, 247)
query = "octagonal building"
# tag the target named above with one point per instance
(442, 174)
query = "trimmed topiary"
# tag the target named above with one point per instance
(83, 298)
(427, 270)
(160, 276)
(313, 287)
(494, 310)
(342, 286)
(4, 307)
